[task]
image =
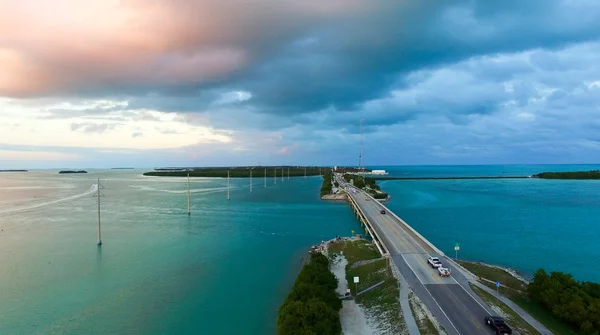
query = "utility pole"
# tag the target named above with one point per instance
(228, 196)
(99, 195)
(250, 180)
(265, 178)
(188, 185)
(275, 175)
(305, 172)
(282, 174)
(288, 173)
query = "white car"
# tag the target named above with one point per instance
(434, 262)
(444, 272)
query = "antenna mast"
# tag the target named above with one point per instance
(360, 156)
(99, 195)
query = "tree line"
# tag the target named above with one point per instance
(313, 306)
(240, 172)
(576, 303)
(326, 187)
(595, 174)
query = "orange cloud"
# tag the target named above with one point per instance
(50, 47)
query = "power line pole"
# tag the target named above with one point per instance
(99, 195)
(275, 175)
(288, 173)
(305, 172)
(250, 180)
(228, 197)
(265, 178)
(188, 193)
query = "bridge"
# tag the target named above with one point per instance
(450, 299)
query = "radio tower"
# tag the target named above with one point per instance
(360, 155)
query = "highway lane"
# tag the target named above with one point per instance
(454, 305)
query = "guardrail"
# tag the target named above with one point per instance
(373, 232)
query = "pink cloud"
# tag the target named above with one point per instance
(51, 47)
(282, 151)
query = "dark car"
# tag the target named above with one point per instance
(382, 211)
(498, 325)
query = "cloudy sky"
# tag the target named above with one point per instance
(145, 83)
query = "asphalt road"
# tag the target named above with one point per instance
(450, 299)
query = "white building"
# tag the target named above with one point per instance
(378, 172)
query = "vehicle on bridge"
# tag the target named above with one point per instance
(382, 211)
(434, 262)
(444, 272)
(498, 325)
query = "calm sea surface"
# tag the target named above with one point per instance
(224, 270)
(162, 272)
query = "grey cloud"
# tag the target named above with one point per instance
(93, 127)
(134, 135)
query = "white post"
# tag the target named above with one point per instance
(250, 180)
(188, 184)
(228, 197)
(99, 227)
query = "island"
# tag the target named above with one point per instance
(69, 172)
(123, 168)
(594, 174)
(241, 171)
(14, 171)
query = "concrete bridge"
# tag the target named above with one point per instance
(450, 299)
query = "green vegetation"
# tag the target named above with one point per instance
(368, 184)
(326, 188)
(576, 303)
(382, 300)
(515, 321)
(595, 174)
(240, 172)
(426, 326)
(312, 307)
(354, 251)
(494, 274)
(518, 293)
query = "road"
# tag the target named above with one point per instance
(450, 299)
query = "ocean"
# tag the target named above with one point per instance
(223, 270)
(227, 267)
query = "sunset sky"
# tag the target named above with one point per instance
(145, 83)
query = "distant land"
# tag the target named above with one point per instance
(122, 168)
(241, 172)
(14, 171)
(69, 172)
(445, 178)
(594, 174)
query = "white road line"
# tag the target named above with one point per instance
(432, 298)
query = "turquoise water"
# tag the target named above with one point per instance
(224, 270)
(524, 224)
(227, 268)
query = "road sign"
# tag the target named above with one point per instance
(457, 248)
(355, 280)
(497, 284)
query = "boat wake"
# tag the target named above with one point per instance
(90, 191)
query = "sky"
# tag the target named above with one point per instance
(156, 83)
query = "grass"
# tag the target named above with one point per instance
(513, 319)
(494, 274)
(381, 301)
(354, 251)
(519, 297)
(426, 326)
